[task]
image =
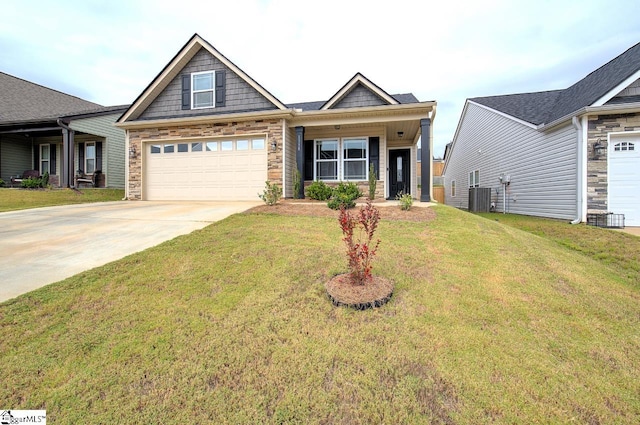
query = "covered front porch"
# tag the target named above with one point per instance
(60, 152)
(337, 145)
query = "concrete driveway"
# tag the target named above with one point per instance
(44, 245)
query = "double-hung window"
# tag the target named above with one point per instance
(474, 178)
(354, 159)
(89, 157)
(44, 158)
(341, 159)
(327, 159)
(202, 89)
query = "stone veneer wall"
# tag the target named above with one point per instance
(599, 127)
(272, 128)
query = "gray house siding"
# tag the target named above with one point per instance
(15, 156)
(113, 138)
(358, 97)
(240, 96)
(542, 165)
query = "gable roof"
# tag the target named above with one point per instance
(27, 102)
(403, 98)
(545, 107)
(173, 68)
(354, 82)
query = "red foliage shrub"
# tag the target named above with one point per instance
(360, 250)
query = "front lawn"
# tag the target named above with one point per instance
(620, 250)
(231, 324)
(20, 199)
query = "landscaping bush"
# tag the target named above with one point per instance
(345, 195)
(373, 182)
(271, 194)
(2, 183)
(297, 181)
(406, 201)
(319, 191)
(31, 183)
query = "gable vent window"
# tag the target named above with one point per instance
(202, 87)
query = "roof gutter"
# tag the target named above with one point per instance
(580, 181)
(619, 108)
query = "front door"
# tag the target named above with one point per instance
(398, 172)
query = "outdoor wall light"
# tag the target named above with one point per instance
(599, 149)
(274, 146)
(400, 134)
(132, 151)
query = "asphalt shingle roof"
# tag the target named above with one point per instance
(24, 101)
(545, 107)
(315, 106)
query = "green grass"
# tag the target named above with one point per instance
(620, 250)
(20, 199)
(231, 324)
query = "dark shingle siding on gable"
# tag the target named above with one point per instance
(316, 105)
(359, 96)
(240, 96)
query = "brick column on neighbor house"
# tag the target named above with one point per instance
(425, 165)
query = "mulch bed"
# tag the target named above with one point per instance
(300, 207)
(375, 293)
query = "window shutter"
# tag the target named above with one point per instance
(308, 159)
(98, 156)
(186, 91)
(374, 154)
(221, 89)
(36, 158)
(81, 156)
(52, 156)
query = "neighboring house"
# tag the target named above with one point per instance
(204, 130)
(50, 131)
(562, 153)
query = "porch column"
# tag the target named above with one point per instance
(425, 130)
(70, 174)
(300, 158)
(65, 158)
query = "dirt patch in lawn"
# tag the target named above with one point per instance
(300, 207)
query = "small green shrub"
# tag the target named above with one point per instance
(406, 201)
(319, 191)
(32, 183)
(345, 195)
(296, 183)
(373, 181)
(271, 194)
(2, 183)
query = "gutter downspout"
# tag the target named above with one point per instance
(67, 154)
(579, 183)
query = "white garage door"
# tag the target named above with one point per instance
(205, 170)
(624, 179)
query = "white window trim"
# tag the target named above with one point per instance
(86, 157)
(48, 170)
(212, 90)
(340, 159)
(473, 182)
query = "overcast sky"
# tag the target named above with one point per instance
(109, 51)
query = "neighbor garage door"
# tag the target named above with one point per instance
(205, 170)
(624, 179)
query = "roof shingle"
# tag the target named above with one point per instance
(24, 101)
